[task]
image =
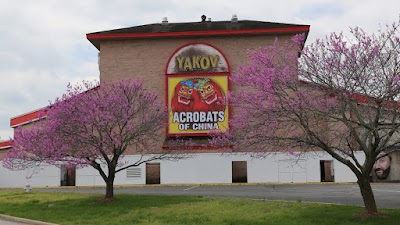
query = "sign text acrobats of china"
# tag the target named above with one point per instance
(197, 82)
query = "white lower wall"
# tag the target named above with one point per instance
(43, 176)
(203, 168)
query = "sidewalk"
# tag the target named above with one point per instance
(11, 220)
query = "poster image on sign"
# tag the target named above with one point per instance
(197, 105)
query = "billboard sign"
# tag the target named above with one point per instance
(197, 82)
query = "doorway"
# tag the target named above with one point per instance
(153, 173)
(239, 171)
(327, 173)
(68, 176)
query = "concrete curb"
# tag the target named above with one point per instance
(23, 220)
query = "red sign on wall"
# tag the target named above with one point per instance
(197, 84)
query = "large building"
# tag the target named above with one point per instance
(169, 57)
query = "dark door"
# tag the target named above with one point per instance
(239, 172)
(152, 173)
(326, 171)
(68, 176)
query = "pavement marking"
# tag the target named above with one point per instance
(187, 189)
(385, 190)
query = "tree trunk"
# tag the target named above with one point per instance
(110, 188)
(110, 179)
(367, 195)
(110, 183)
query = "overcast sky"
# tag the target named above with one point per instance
(43, 45)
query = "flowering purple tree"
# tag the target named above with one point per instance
(339, 97)
(95, 125)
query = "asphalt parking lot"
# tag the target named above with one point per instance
(387, 194)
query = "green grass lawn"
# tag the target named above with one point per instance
(72, 208)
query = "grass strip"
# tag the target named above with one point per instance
(75, 208)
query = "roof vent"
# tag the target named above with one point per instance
(203, 18)
(234, 18)
(209, 19)
(164, 21)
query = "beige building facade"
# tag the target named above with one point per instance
(197, 55)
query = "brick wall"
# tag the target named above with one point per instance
(146, 59)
